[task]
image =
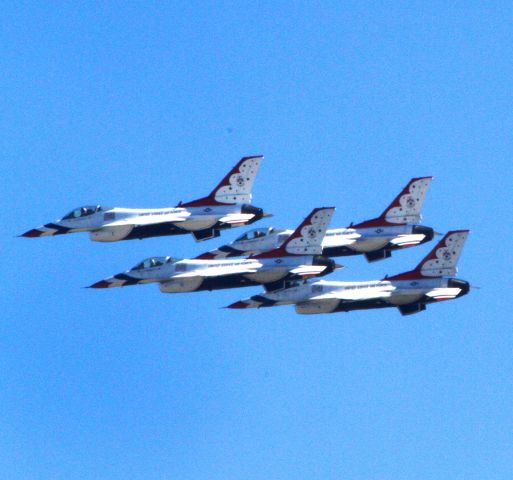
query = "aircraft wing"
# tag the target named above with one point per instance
(217, 272)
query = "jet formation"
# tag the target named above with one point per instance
(287, 263)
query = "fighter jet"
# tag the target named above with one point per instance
(430, 282)
(394, 229)
(299, 257)
(227, 206)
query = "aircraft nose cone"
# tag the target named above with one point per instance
(238, 304)
(32, 233)
(100, 284)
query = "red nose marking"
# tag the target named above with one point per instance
(32, 233)
(238, 305)
(100, 284)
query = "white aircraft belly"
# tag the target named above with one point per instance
(266, 276)
(370, 244)
(177, 285)
(405, 298)
(111, 234)
(198, 223)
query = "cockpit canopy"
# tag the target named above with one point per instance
(255, 233)
(258, 233)
(83, 211)
(153, 262)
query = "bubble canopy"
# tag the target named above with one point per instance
(153, 262)
(255, 233)
(83, 211)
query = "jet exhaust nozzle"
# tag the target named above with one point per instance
(428, 232)
(257, 213)
(463, 285)
(327, 262)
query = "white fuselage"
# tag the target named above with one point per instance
(113, 224)
(194, 274)
(340, 241)
(363, 240)
(326, 296)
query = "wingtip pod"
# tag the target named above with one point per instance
(235, 187)
(442, 260)
(307, 237)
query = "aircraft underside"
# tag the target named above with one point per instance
(406, 308)
(224, 282)
(170, 228)
(371, 256)
(155, 230)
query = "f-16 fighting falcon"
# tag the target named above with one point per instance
(430, 282)
(394, 229)
(297, 258)
(227, 206)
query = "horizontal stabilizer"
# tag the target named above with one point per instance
(308, 270)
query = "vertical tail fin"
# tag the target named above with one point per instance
(442, 260)
(406, 206)
(235, 187)
(307, 238)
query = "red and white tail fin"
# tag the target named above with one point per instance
(307, 238)
(406, 206)
(235, 187)
(442, 260)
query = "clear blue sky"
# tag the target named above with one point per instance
(143, 104)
